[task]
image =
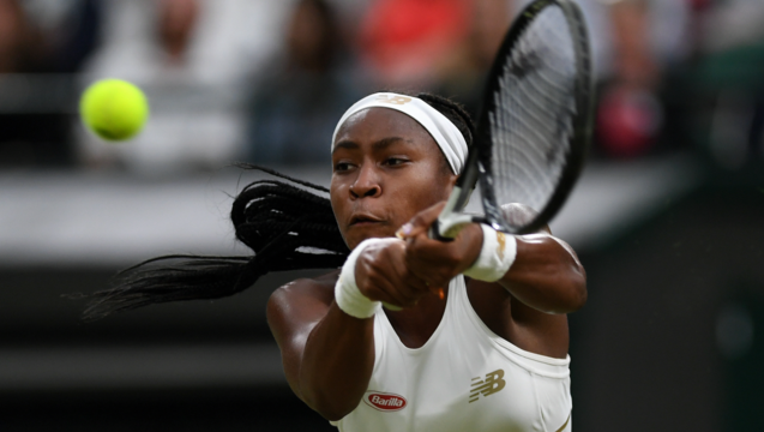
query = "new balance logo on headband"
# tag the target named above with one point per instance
(442, 130)
(393, 99)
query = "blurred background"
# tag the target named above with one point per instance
(668, 217)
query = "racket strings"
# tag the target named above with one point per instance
(531, 124)
(535, 107)
(538, 96)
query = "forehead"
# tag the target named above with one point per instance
(377, 123)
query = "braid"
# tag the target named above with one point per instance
(287, 228)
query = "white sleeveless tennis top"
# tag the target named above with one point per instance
(464, 378)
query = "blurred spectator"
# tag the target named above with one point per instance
(725, 90)
(636, 45)
(405, 43)
(463, 74)
(177, 21)
(37, 38)
(195, 60)
(630, 115)
(71, 28)
(295, 108)
(731, 23)
(19, 44)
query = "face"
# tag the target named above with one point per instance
(386, 169)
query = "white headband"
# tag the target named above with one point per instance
(442, 130)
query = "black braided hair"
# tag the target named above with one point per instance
(454, 112)
(287, 224)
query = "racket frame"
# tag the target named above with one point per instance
(582, 121)
(478, 166)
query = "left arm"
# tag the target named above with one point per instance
(546, 274)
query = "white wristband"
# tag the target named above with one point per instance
(346, 293)
(496, 256)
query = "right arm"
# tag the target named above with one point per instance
(328, 355)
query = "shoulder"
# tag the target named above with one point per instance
(319, 289)
(295, 308)
(301, 301)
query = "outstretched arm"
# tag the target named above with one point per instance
(328, 355)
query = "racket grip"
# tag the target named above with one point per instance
(434, 233)
(446, 230)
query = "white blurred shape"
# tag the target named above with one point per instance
(230, 45)
(734, 331)
(730, 125)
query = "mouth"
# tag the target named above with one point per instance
(363, 219)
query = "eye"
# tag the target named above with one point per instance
(341, 166)
(395, 161)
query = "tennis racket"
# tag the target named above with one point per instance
(535, 123)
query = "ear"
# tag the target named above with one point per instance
(452, 180)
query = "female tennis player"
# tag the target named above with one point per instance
(473, 334)
(489, 354)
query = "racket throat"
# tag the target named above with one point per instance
(451, 221)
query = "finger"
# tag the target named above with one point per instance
(435, 271)
(401, 292)
(437, 279)
(423, 252)
(423, 285)
(429, 284)
(389, 294)
(424, 255)
(404, 288)
(421, 222)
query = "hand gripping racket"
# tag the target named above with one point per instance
(535, 123)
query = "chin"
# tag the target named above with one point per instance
(358, 233)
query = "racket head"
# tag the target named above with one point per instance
(535, 124)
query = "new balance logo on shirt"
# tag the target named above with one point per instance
(492, 383)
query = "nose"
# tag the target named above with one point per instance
(366, 184)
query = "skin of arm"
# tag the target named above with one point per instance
(328, 355)
(546, 274)
(305, 320)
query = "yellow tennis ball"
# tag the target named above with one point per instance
(113, 109)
